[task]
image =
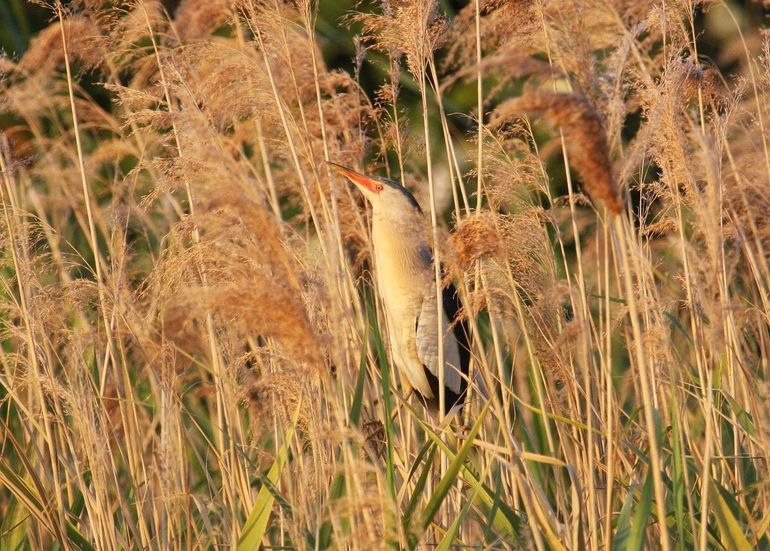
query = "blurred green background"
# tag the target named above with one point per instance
(20, 20)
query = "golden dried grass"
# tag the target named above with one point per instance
(233, 287)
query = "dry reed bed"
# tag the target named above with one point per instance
(184, 283)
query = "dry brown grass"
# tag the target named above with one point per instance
(186, 288)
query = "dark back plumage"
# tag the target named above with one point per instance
(452, 307)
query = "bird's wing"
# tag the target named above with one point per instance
(455, 359)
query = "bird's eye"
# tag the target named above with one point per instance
(379, 187)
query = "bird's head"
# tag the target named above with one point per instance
(386, 196)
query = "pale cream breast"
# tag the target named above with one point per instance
(402, 274)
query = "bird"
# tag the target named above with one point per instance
(406, 284)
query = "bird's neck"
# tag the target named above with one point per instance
(402, 254)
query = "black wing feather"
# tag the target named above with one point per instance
(452, 306)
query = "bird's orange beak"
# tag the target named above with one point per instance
(357, 178)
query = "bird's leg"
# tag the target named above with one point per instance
(455, 429)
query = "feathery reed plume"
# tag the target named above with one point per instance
(193, 20)
(584, 138)
(180, 273)
(509, 37)
(473, 237)
(506, 26)
(281, 393)
(513, 249)
(246, 299)
(414, 29)
(84, 44)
